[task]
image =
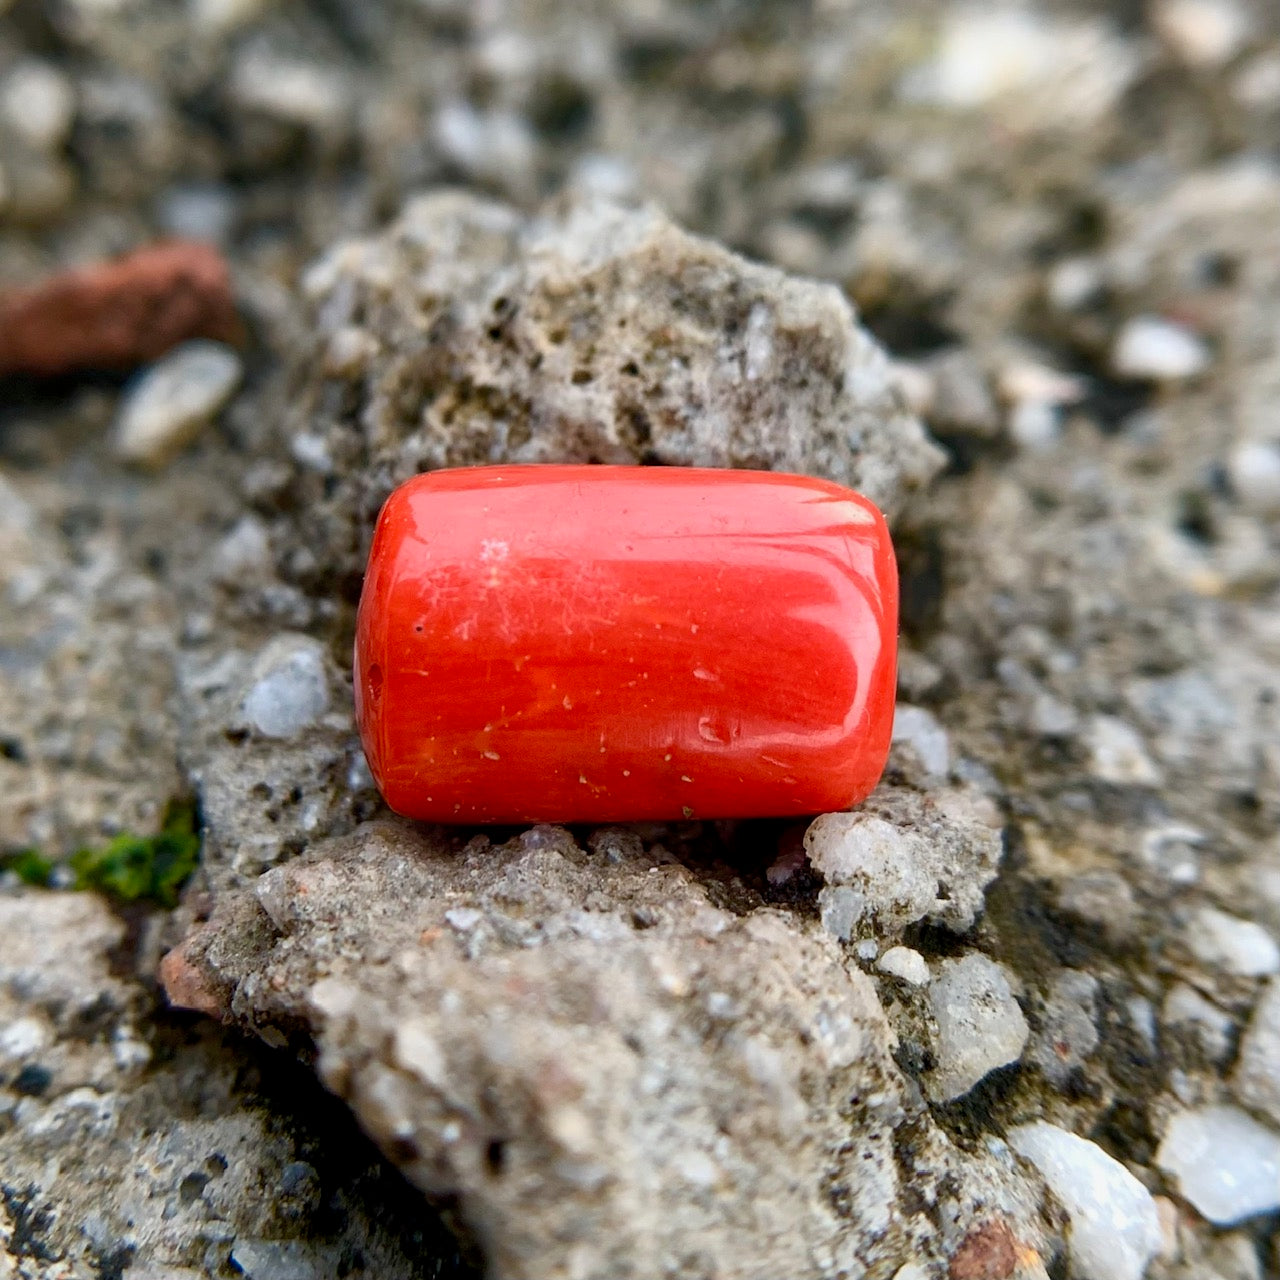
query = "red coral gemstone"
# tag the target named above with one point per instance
(607, 644)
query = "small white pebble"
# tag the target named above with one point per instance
(291, 89)
(1142, 1018)
(244, 553)
(873, 860)
(1040, 70)
(129, 1051)
(23, 1038)
(38, 103)
(1225, 1164)
(790, 859)
(1158, 350)
(463, 919)
(1170, 852)
(916, 674)
(696, 1168)
(494, 143)
(919, 729)
(349, 351)
(1029, 380)
(866, 950)
(1239, 947)
(1035, 425)
(901, 962)
(220, 16)
(721, 1006)
(979, 1024)
(1202, 33)
(168, 406)
(1050, 717)
(1118, 754)
(312, 452)
(1115, 1228)
(1254, 471)
(913, 1271)
(1074, 283)
(359, 775)
(840, 908)
(598, 174)
(291, 689)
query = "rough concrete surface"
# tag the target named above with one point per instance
(613, 1074)
(762, 234)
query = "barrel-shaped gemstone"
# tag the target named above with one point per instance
(607, 644)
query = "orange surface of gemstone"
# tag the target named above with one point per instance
(607, 644)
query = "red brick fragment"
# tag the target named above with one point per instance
(988, 1252)
(186, 984)
(114, 316)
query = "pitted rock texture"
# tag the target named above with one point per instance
(135, 1147)
(910, 856)
(597, 1060)
(470, 334)
(88, 742)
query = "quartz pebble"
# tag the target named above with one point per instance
(1036, 395)
(1040, 71)
(1257, 1077)
(919, 729)
(901, 962)
(1185, 1007)
(38, 103)
(1202, 33)
(1115, 1229)
(878, 860)
(243, 554)
(1238, 947)
(910, 857)
(276, 1260)
(913, 1271)
(1074, 283)
(1158, 350)
(1224, 1162)
(1254, 471)
(839, 909)
(980, 1026)
(291, 90)
(291, 689)
(1169, 852)
(1034, 425)
(1118, 755)
(169, 405)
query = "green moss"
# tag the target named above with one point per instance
(133, 867)
(29, 865)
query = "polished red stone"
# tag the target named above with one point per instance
(593, 644)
